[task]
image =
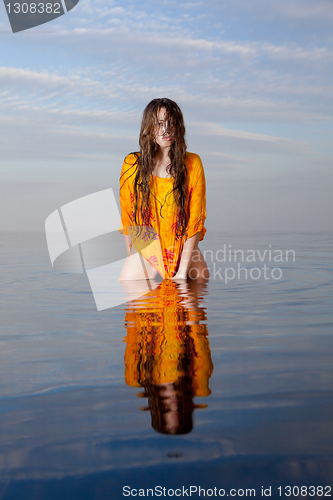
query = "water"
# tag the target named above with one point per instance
(210, 385)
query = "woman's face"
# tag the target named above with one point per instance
(164, 135)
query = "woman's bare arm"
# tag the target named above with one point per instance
(189, 246)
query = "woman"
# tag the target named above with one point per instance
(163, 187)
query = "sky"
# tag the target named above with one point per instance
(253, 79)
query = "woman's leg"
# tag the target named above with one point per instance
(137, 268)
(198, 266)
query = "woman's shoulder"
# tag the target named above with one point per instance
(193, 163)
(131, 159)
(193, 157)
(129, 168)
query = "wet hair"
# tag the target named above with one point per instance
(182, 387)
(184, 396)
(145, 161)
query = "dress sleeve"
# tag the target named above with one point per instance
(197, 200)
(126, 194)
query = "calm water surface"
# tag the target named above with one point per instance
(225, 385)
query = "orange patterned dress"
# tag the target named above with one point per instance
(165, 256)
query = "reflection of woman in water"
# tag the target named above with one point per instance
(168, 354)
(163, 187)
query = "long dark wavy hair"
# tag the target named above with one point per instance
(145, 161)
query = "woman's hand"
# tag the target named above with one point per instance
(189, 246)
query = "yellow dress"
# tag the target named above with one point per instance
(165, 255)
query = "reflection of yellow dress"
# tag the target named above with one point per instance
(166, 342)
(163, 210)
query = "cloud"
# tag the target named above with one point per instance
(213, 137)
(212, 129)
(224, 162)
(270, 99)
(298, 9)
(20, 140)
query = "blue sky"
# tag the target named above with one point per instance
(253, 78)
